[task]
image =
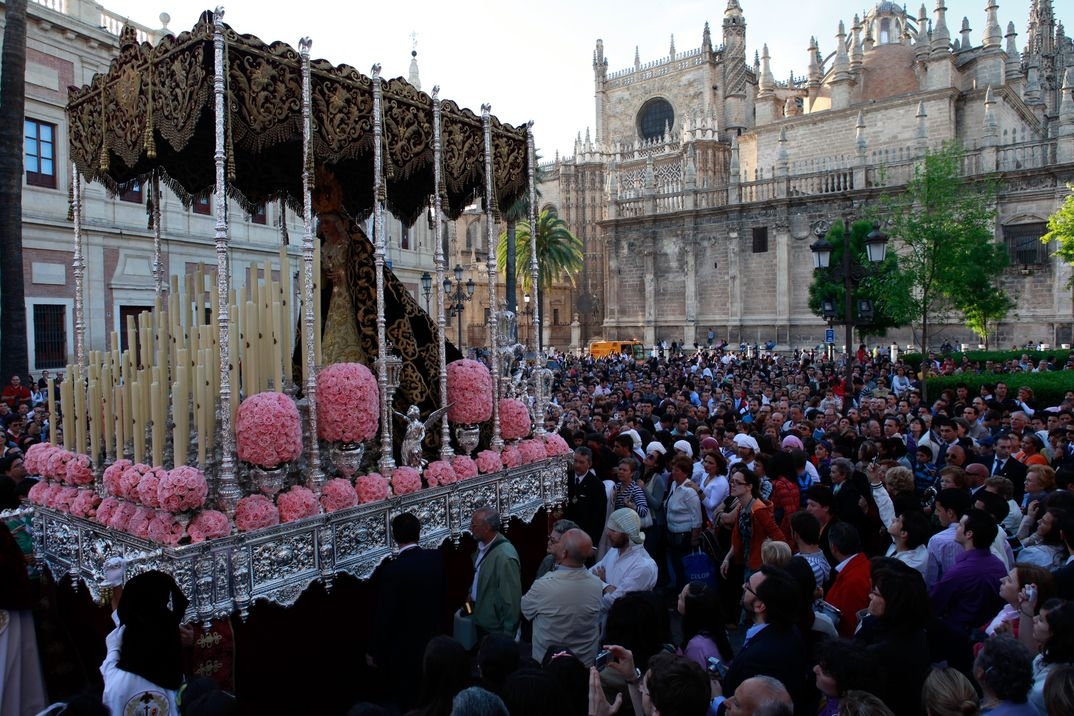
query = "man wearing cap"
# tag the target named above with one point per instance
(626, 567)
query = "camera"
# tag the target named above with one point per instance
(1031, 593)
(603, 657)
(928, 497)
(716, 667)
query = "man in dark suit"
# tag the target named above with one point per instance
(410, 599)
(587, 500)
(1064, 576)
(1005, 466)
(773, 646)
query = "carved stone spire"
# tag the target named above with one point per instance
(965, 43)
(814, 64)
(855, 45)
(1014, 60)
(706, 39)
(941, 36)
(922, 128)
(841, 67)
(671, 52)
(993, 34)
(637, 58)
(922, 46)
(991, 127)
(768, 82)
(413, 77)
(859, 134)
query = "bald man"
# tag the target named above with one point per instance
(565, 604)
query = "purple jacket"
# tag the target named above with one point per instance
(968, 594)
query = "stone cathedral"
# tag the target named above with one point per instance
(695, 194)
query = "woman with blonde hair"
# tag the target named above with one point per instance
(775, 554)
(947, 692)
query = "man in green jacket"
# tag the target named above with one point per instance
(496, 591)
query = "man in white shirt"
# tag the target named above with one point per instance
(909, 532)
(626, 567)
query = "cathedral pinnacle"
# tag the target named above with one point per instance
(413, 77)
(706, 39)
(941, 36)
(992, 36)
(965, 33)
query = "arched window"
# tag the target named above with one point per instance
(885, 30)
(473, 235)
(655, 117)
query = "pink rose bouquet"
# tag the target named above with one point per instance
(39, 493)
(405, 480)
(57, 464)
(183, 488)
(488, 461)
(165, 529)
(138, 525)
(129, 479)
(555, 445)
(338, 494)
(62, 498)
(440, 473)
(464, 467)
(78, 471)
(255, 512)
(297, 503)
(122, 516)
(112, 475)
(106, 510)
(148, 489)
(515, 422)
(532, 451)
(86, 504)
(348, 403)
(268, 430)
(36, 458)
(469, 389)
(511, 456)
(371, 487)
(208, 524)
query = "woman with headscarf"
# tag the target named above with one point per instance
(143, 667)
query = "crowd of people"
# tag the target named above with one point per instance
(740, 535)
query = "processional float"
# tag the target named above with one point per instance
(192, 450)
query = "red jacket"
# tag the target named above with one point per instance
(850, 593)
(764, 527)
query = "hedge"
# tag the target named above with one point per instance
(1060, 355)
(1048, 388)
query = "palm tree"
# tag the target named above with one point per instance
(13, 352)
(559, 254)
(519, 212)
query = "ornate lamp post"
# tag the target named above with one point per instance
(528, 312)
(456, 294)
(426, 287)
(850, 273)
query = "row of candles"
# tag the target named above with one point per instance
(172, 361)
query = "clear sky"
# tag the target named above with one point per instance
(533, 60)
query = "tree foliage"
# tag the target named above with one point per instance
(943, 228)
(1061, 229)
(559, 252)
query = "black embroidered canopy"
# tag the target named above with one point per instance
(154, 111)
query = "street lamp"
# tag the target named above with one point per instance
(528, 312)
(426, 287)
(456, 294)
(851, 273)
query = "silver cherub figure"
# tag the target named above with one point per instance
(411, 452)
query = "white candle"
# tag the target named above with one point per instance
(157, 411)
(138, 438)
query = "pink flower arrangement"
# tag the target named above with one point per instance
(440, 473)
(165, 529)
(39, 493)
(405, 480)
(85, 505)
(183, 488)
(338, 494)
(62, 498)
(555, 445)
(129, 479)
(36, 458)
(208, 524)
(106, 510)
(148, 489)
(371, 487)
(268, 430)
(255, 512)
(138, 525)
(78, 471)
(57, 464)
(469, 389)
(122, 516)
(511, 456)
(464, 467)
(297, 503)
(488, 461)
(348, 403)
(515, 422)
(532, 451)
(112, 475)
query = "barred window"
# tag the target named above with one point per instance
(1024, 245)
(655, 117)
(50, 335)
(760, 239)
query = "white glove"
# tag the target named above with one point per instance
(115, 569)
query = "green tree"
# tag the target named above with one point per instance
(944, 230)
(982, 300)
(1061, 229)
(13, 352)
(519, 212)
(887, 313)
(559, 253)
